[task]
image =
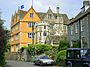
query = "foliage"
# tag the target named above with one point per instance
(4, 37)
(22, 49)
(38, 48)
(31, 49)
(61, 56)
(41, 48)
(8, 47)
(52, 53)
(63, 44)
(77, 44)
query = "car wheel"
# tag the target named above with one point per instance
(69, 65)
(40, 63)
(35, 63)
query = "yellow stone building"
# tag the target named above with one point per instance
(22, 26)
(31, 27)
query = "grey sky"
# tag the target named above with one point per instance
(69, 7)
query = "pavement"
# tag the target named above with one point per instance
(12, 63)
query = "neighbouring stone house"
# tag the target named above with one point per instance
(52, 27)
(79, 27)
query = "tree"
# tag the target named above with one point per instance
(4, 36)
(38, 48)
(77, 44)
(61, 57)
(63, 44)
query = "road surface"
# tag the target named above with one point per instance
(22, 64)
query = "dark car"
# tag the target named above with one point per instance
(43, 60)
(78, 57)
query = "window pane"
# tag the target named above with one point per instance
(29, 35)
(31, 15)
(44, 27)
(45, 34)
(49, 16)
(29, 24)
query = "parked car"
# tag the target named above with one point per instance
(43, 60)
(78, 57)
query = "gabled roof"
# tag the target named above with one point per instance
(27, 17)
(22, 13)
(43, 14)
(80, 15)
(49, 12)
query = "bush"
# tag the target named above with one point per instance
(61, 57)
(31, 49)
(77, 44)
(38, 48)
(63, 44)
(52, 53)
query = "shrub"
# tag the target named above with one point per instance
(63, 44)
(52, 53)
(77, 44)
(38, 48)
(41, 48)
(61, 56)
(31, 49)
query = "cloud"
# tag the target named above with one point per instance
(69, 7)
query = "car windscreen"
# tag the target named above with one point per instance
(73, 54)
(44, 57)
(70, 54)
(85, 52)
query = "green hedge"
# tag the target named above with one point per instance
(63, 44)
(38, 48)
(61, 57)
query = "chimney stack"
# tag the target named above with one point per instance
(57, 8)
(86, 4)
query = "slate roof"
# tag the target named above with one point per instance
(22, 13)
(42, 15)
(80, 15)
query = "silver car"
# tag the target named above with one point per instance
(43, 60)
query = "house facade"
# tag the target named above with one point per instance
(79, 27)
(22, 28)
(31, 27)
(42, 32)
(55, 24)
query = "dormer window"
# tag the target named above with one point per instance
(49, 16)
(31, 15)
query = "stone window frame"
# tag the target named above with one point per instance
(16, 37)
(76, 27)
(30, 35)
(31, 15)
(72, 29)
(49, 16)
(12, 38)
